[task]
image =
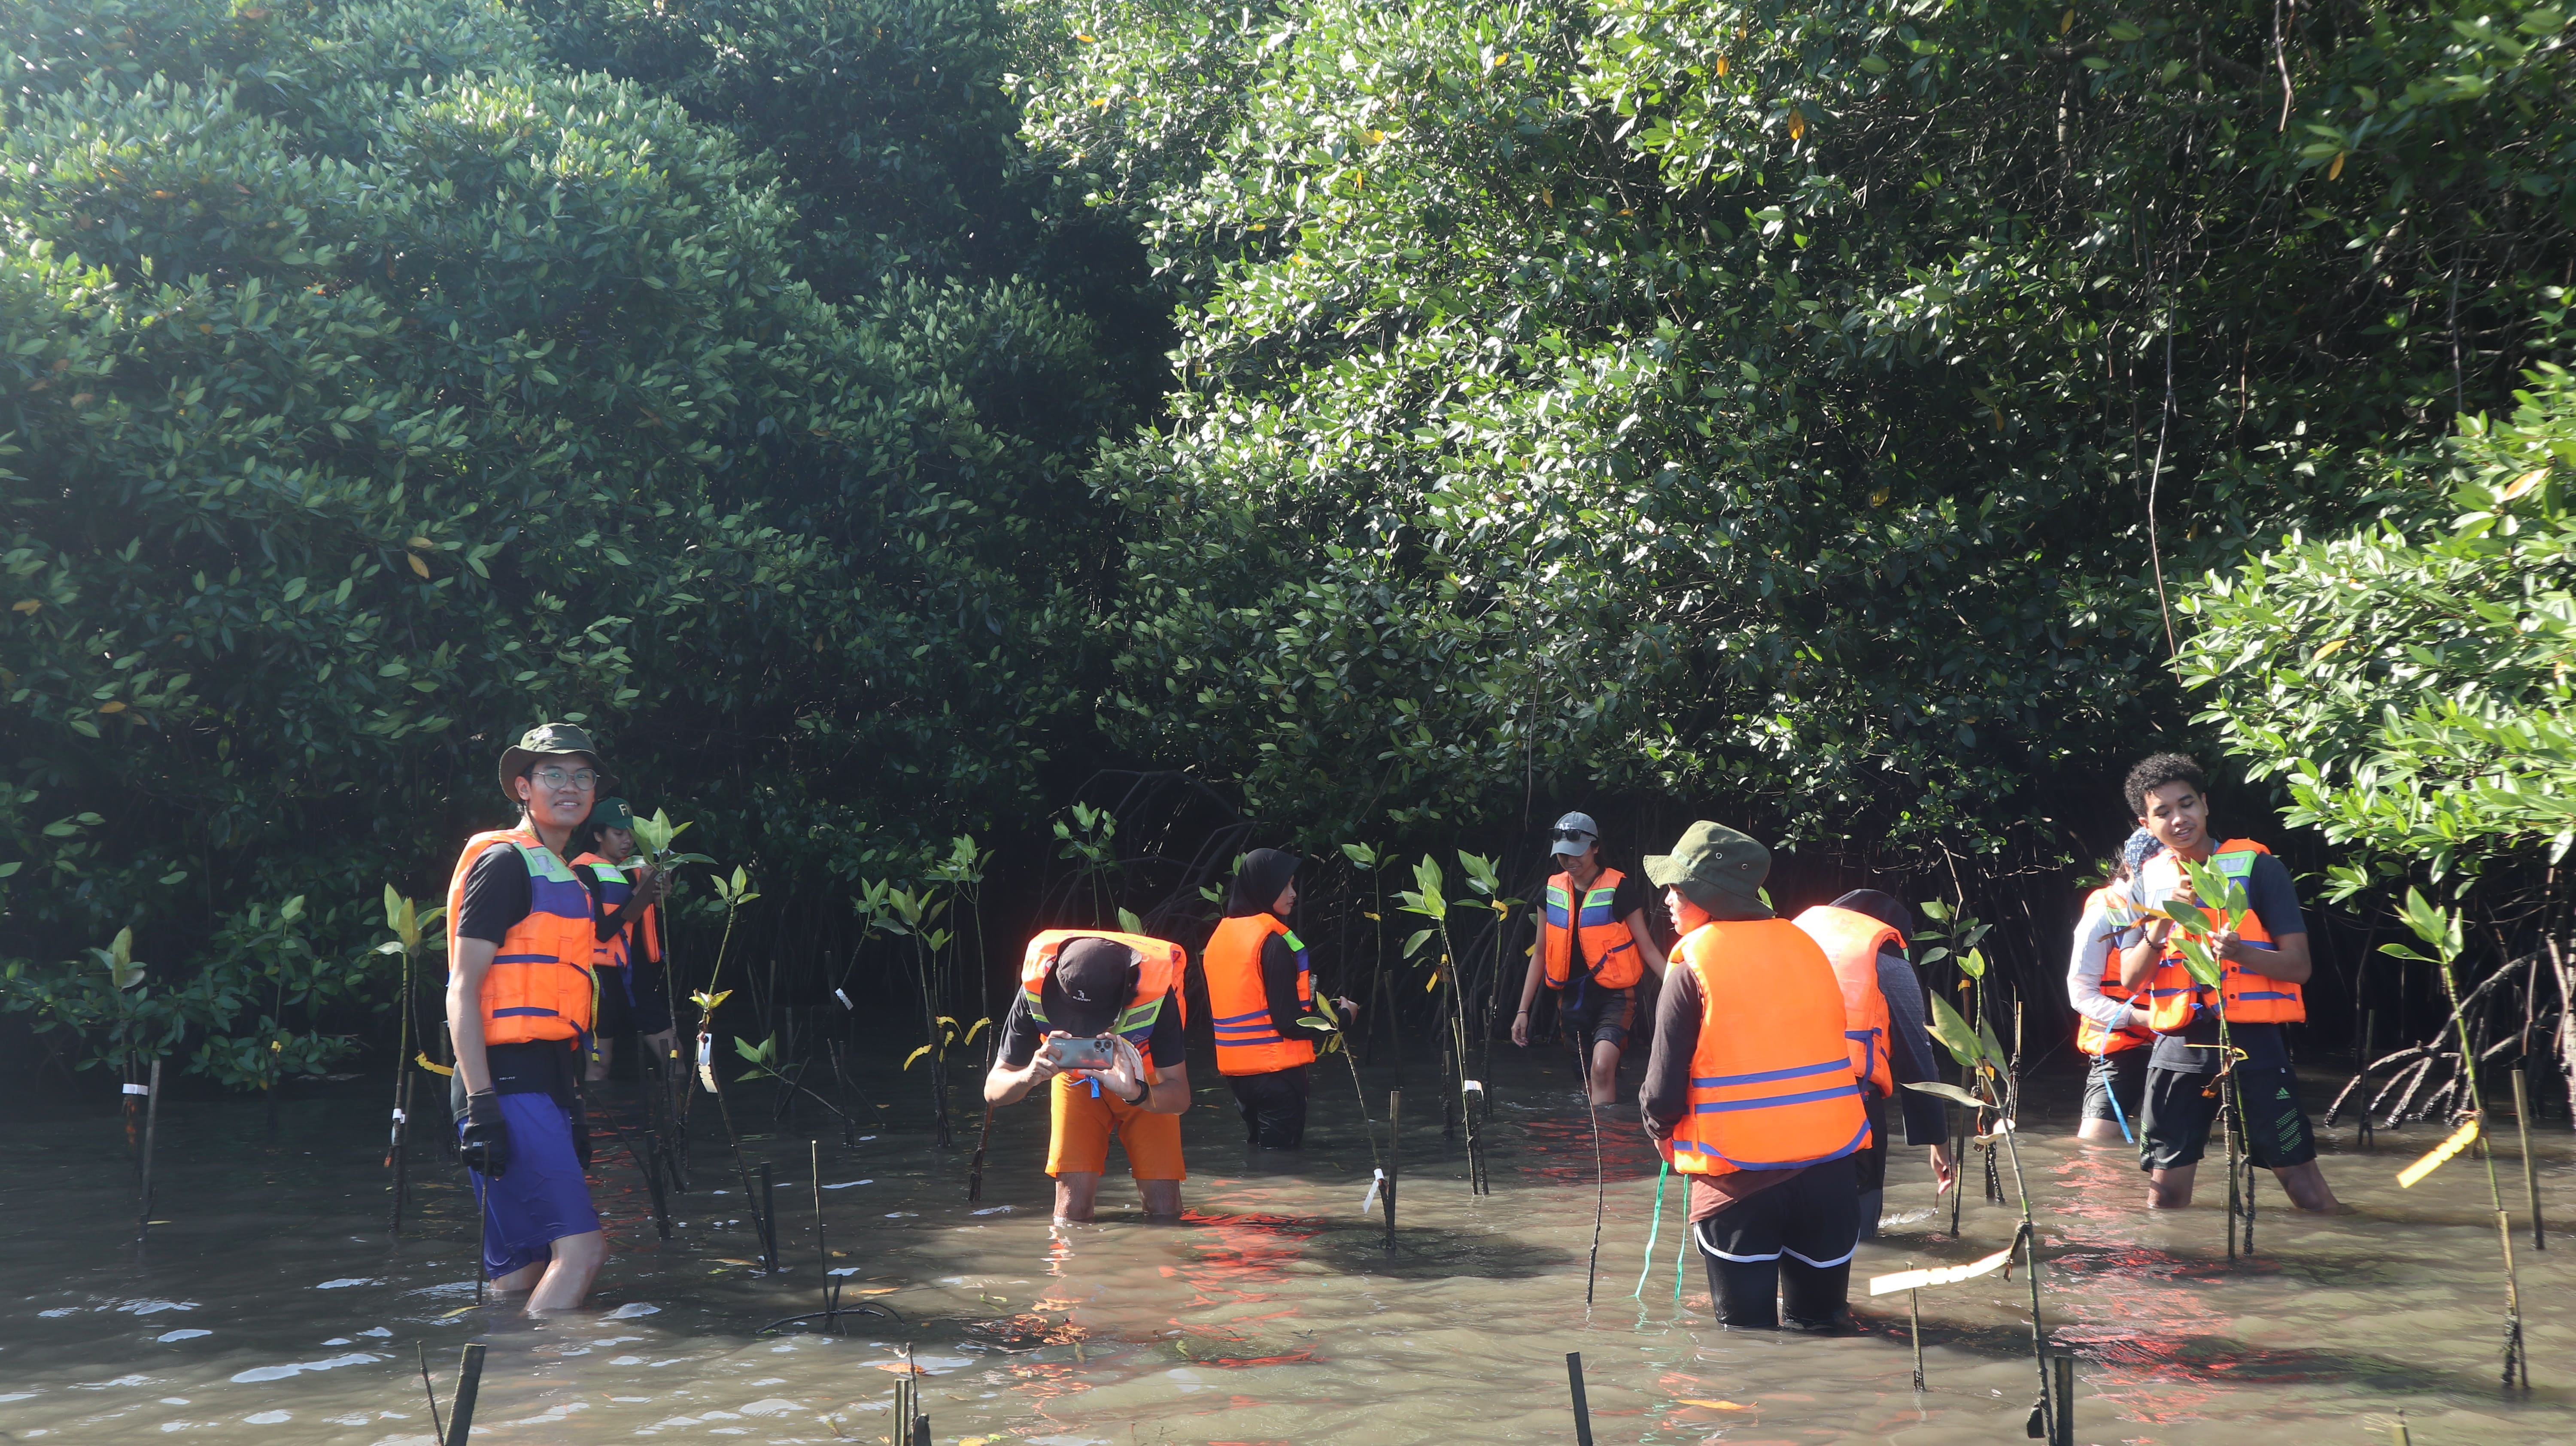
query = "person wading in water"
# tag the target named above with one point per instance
(2110, 1024)
(1593, 946)
(1120, 993)
(2265, 956)
(1863, 934)
(520, 940)
(631, 996)
(1749, 1091)
(1261, 1001)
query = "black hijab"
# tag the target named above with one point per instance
(1258, 882)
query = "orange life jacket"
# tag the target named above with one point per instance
(615, 888)
(2090, 1037)
(1160, 964)
(1851, 941)
(1238, 1005)
(1612, 950)
(539, 986)
(1771, 1084)
(2174, 997)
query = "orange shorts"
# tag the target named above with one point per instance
(1078, 1144)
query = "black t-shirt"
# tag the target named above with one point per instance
(1168, 1045)
(496, 895)
(2274, 899)
(1630, 897)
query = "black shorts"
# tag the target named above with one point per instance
(2124, 1072)
(2182, 1108)
(1596, 1015)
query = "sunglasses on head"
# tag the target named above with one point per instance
(1572, 836)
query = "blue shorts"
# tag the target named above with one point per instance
(541, 1196)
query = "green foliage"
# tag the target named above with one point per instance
(2408, 679)
(1714, 398)
(372, 387)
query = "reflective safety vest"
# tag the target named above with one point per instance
(1160, 964)
(2174, 998)
(1851, 941)
(1607, 943)
(539, 986)
(2123, 915)
(615, 888)
(1238, 1004)
(1771, 1084)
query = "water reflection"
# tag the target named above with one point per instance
(274, 1309)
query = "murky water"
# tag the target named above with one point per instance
(272, 1307)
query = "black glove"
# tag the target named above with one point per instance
(485, 1140)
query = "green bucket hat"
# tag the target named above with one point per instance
(541, 740)
(610, 813)
(1716, 868)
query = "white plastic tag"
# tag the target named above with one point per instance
(845, 1001)
(1369, 1203)
(400, 1117)
(1471, 1086)
(138, 1089)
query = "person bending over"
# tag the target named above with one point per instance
(1119, 995)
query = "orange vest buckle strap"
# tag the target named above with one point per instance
(540, 986)
(1606, 940)
(1247, 1043)
(1852, 941)
(1159, 965)
(1771, 1085)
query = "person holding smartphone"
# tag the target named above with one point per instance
(1099, 1014)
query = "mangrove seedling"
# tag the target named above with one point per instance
(413, 932)
(1982, 1060)
(2440, 931)
(2195, 936)
(1426, 899)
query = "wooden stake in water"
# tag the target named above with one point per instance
(767, 1205)
(2369, 1035)
(1914, 1326)
(1394, 1158)
(2530, 1167)
(2061, 1420)
(1600, 1184)
(975, 1167)
(469, 1383)
(1582, 1412)
(151, 1126)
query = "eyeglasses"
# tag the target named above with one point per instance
(582, 778)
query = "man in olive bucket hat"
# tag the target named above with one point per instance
(1750, 1090)
(520, 939)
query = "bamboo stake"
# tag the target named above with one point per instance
(2515, 1362)
(151, 1126)
(469, 1384)
(1582, 1411)
(768, 1207)
(1394, 1158)
(1914, 1327)
(1600, 1183)
(437, 1428)
(2530, 1167)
